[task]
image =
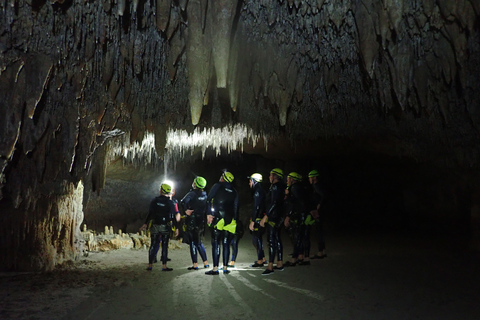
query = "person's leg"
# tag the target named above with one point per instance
(279, 245)
(226, 249)
(193, 247)
(199, 245)
(261, 232)
(321, 240)
(297, 248)
(234, 245)
(306, 245)
(272, 250)
(165, 240)
(155, 239)
(257, 243)
(215, 234)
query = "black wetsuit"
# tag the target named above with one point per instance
(195, 200)
(222, 203)
(235, 239)
(161, 219)
(275, 212)
(299, 209)
(318, 197)
(257, 215)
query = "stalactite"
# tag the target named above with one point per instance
(198, 60)
(120, 7)
(163, 14)
(220, 15)
(233, 83)
(367, 38)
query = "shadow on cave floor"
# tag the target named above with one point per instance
(365, 276)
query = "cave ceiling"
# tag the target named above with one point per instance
(400, 78)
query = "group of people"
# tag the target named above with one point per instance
(292, 206)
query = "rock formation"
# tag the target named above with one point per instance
(396, 78)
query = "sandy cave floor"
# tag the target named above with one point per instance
(363, 277)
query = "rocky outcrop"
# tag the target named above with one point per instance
(394, 77)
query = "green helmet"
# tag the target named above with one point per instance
(200, 182)
(313, 173)
(295, 176)
(278, 172)
(165, 188)
(257, 177)
(227, 176)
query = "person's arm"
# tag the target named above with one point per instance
(210, 210)
(149, 216)
(235, 205)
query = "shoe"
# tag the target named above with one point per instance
(279, 268)
(149, 269)
(318, 257)
(303, 263)
(206, 266)
(267, 272)
(226, 271)
(212, 273)
(167, 269)
(192, 268)
(289, 264)
(256, 265)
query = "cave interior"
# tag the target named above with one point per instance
(102, 100)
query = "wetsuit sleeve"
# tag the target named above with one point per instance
(258, 198)
(274, 200)
(210, 197)
(186, 200)
(235, 206)
(151, 212)
(173, 211)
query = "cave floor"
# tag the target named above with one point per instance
(365, 276)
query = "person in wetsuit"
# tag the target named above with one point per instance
(258, 213)
(160, 220)
(318, 198)
(299, 218)
(195, 205)
(273, 220)
(222, 215)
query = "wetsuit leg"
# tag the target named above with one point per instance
(272, 249)
(227, 237)
(261, 231)
(278, 243)
(298, 248)
(197, 243)
(165, 239)
(193, 246)
(155, 239)
(257, 243)
(234, 245)
(216, 237)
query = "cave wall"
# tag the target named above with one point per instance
(392, 77)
